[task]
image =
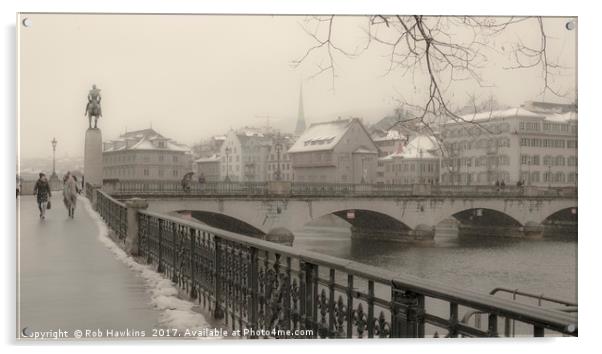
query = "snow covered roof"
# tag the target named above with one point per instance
(364, 150)
(562, 117)
(146, 139)
(321, 136)
(390, 135)
(501, 114)
(212, 158)
(421, 146)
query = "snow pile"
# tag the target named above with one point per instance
(175, 312)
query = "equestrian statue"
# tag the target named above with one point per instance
(93, 109)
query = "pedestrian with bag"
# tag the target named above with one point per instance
(42, 192)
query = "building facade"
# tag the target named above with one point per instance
(279, 164)
(145, 154)
(339, 151)
(534, 147)
(417, 162)
(244, 155)
(209, 168)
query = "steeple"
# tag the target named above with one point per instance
(300, 115)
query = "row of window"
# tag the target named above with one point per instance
(479, 144)
(126, 158)
(130, 172)
(283, 166)
(411, 167)
(549, 177)
(496, 128)
(488, 161)
(548, 160)
(548, 143)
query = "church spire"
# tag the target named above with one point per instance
(300, 115)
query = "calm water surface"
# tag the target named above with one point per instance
(547, 266)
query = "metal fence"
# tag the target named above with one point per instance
(278, 291)
(301, 189)
(270, 290)
(113, 212)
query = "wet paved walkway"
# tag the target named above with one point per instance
(70, 280)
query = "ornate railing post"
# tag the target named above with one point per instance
(160, 268)
(310, 297)
(193, 241)
(407, 314)
(131, 240)
(254, 289)
(218, 312)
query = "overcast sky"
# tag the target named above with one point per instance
(194, 76)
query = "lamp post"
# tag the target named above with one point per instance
(228, 151)
(54, 142)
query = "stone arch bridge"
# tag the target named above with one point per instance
(383, 218)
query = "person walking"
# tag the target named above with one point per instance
(70, 192)
(42, 192)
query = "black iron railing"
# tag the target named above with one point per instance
(270, 290)
(262, 286)
(113, 212)
(300, 189)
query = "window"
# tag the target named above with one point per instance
(560, 161)
(524, 159)
(175, 158)
(146, 172)
(535, 177)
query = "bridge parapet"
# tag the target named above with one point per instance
(303, 190)
(261, 286)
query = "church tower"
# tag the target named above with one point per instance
(300, 115)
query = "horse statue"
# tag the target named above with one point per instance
(93, 109)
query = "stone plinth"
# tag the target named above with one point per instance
(93, 157)
(131, 240)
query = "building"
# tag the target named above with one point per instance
(279, 161)
(208, 167)
(244, 155)
(145, 154)
(531, 145)
(415, 163)
(339, 151)
(388, 142)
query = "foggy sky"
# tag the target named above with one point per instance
(195, 76)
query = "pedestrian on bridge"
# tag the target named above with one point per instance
(70, 192)
(42, 192)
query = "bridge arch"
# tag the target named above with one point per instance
(364, 218)
(485, 216)
(562, 213)
(223, 221)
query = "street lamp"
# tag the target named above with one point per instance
(54, 142)
(228, 151)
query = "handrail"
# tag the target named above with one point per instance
(533, 296)
(309, 189)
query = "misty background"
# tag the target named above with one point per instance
(193, 76)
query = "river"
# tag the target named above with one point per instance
(545, 266)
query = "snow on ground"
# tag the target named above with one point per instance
(175, 312)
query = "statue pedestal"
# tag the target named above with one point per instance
(93, 157)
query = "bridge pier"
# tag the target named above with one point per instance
(421, 234)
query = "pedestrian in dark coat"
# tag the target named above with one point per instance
(42, 192)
